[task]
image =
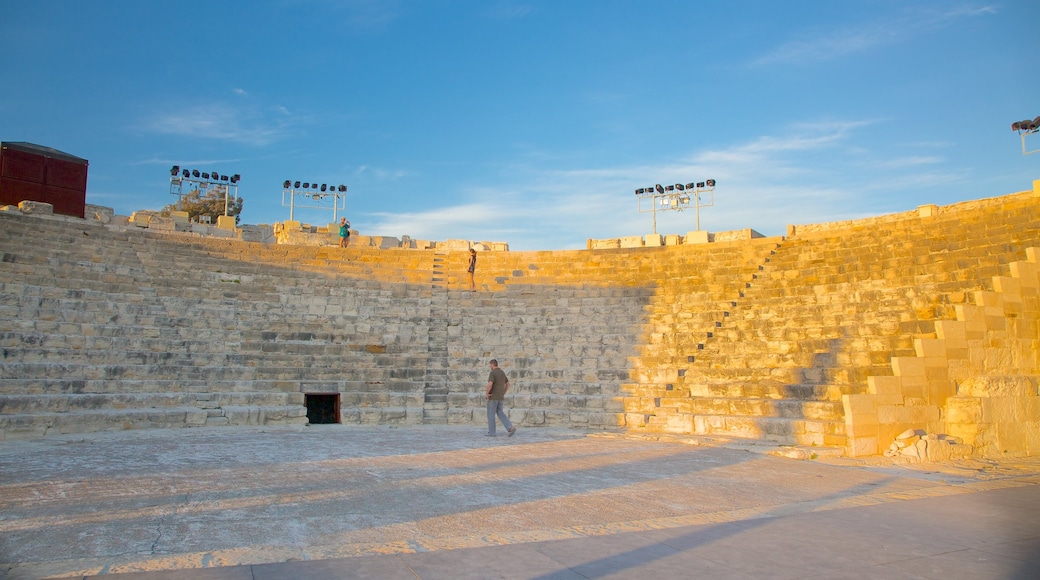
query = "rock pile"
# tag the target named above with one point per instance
(921, 446)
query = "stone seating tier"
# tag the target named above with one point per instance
(868, 291)
(775, 338)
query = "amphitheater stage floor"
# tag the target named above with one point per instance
(434, 502)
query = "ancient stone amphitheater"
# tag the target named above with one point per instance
(841, 336)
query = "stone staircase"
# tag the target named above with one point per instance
(435, 390)
(831, 309)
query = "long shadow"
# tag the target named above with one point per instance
(638, 557)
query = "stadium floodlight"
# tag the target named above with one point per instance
(675, 197)
(185, 181)
(313, 195)
(1025, 128)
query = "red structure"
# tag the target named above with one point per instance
(37, 173)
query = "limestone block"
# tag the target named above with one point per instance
(1000, 386)
(180, 217)
(952, 331)
(35, 207)
(963, 411)
(672, 240)
(654, 240)
(858, 430)
(141, 219)
(908, 366)
(862, 446)
(928, 210)
(933, 348)
(99, 212)
(999, 410)
(226, 222)
(859, 405)
(1010, 287)
(608, 244)
(631, 242)
(697, 237)
(1027, 274)
(162, 224)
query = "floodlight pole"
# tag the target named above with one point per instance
(1023, 135)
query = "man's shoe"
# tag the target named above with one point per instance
(511, 431)
(489, 434)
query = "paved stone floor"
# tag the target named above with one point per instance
(446, 502)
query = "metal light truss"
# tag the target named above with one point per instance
(311, 196)
(675, 198)
(204, 182)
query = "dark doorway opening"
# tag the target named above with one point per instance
(322, 408)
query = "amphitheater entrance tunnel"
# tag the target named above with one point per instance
(322, 408)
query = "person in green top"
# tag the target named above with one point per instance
(344, 233)
(497, 386)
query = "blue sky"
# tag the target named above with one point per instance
(532, 122)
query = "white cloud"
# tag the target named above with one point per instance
(813, 46)
(508, 10)
(220, 121)
(815, 173)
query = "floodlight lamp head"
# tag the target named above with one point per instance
(286, 184)
(205, 175)
(670, 188)
(700, 185)
(680, 186)
(186, 174)
(236, 178)
(323, 187)
(175, 170)
(306, 185)
(1026, 125)
(691, 185)
(194, 172)
(297, 185)
(659, 188)
(711, 183)
(343, 188)
(640, 191)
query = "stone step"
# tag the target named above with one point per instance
(32, 425)
(63, 403)
(65, 385)
(787, 431)
(119, 371)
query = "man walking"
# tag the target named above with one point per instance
(497, 386)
